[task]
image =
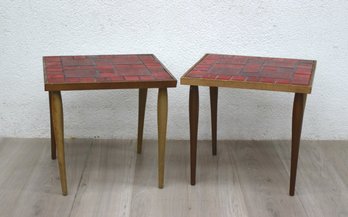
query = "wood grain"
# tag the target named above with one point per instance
(263, 180)
(53, 140)
(321, 186)
(107, 178)
(141, 117)
(193, 113)
(297, 118)
(29, 182)
(106, 186)
(58, 129)
(213, 108)
(162, 116)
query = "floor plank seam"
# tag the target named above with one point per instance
(234, 162)
(82, 173)
(287, 169)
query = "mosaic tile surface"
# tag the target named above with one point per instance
(253, 69)
(103, 68)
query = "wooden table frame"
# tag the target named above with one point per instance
(96, 72)
(300, 96)
(297, 118)
(57, 131)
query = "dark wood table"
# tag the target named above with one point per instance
(143, 71)
(247, 72)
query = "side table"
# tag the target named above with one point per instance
(246, 72)
(143, 71)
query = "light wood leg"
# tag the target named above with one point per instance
(193, 113)
(53, 142)
(297, 118)
(213, 107)
(141, 116)
(162, 115)
(58, 128)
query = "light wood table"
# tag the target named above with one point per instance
(246, 72)
(143, 71)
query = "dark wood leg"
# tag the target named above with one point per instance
(162, 116)
(53, 142)
(297, 118)
(193, 113)
(213, 107)
(141, 116)
(58, 126)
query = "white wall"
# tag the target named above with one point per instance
(179, 33)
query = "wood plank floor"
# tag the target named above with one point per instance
(107, 178)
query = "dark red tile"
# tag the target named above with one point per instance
(253, 78)
(304, 71)
(282, 81)
(238, 78)
(223, 77)
(80, 73)
(52, 59)
(131, 78)
(267, 80)
(146, 78)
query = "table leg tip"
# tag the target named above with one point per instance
(292, 193)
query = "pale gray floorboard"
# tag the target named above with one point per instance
(264, 180)
(147, 199)
(107, 183)
(217, 191)
(30, 183)
(108, 178)
(322, 176)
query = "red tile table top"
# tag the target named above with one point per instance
(105, 72)
(265, 73)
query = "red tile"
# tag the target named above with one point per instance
(282, 81)
(203, 67)
(106, 74)
(267, 80)
(87, 80)
(131, 78)
(304, 71)
(54, 76)
(238, 78)
(300, 81)
(77, 62)
(146, 78)
(52, 59)
(224, 77)
(252, 68)
(80, 73)
(253, 78)
(72, 80)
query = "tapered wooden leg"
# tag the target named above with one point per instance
(297, 118)
(58, 128)
(53, 142)
(162, 115)
(141, 116)
(213, 108)
(193, 113)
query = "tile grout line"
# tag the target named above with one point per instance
(82, 173)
